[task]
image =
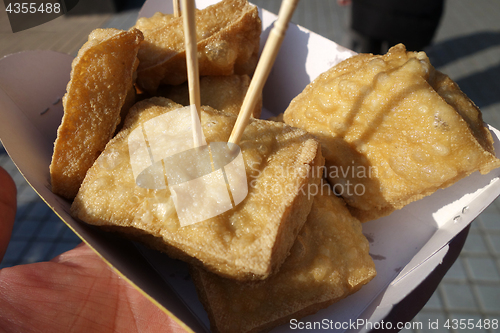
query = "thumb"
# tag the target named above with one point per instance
(8, 206)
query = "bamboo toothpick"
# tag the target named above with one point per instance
(188, 8)
(177, 9)
(263, 69)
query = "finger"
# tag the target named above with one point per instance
(146, 316)
(75, 292)
(8, 206)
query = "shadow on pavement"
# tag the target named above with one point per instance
(483, 86)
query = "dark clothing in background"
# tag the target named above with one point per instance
(389, 22)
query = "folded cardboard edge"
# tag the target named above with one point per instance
(31, 151)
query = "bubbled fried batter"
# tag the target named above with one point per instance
(249, 241)
(328, 262)
(393, 126)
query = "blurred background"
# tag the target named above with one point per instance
(466, 46)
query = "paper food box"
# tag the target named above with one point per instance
(406, 246)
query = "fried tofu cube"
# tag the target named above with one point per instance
(223, 93)
(247, 242)
(102, 77)
(328, 262)
(393, 130)
(228, 35)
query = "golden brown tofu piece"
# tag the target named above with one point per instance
(149, 24)
(328, 262)
(223, 93)
(392, 129)
(249, 241)
(228, 35)
(278, 118)
(102, 74)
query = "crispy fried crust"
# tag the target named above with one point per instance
(248, 242)
(278, 118)
(328, 262)
(393, 126)
(223, 93)
(101, 76)
(228, 43)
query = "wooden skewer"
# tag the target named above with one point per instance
(263, 69)
(188, 8)
(177, 9)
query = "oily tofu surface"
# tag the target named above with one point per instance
(328, 262)
(249, 241)
(228, 35)
(393, 126)
(223, 93)
(101, 76)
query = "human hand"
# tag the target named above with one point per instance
(74, 292)
(344, 2)
(8, 205)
